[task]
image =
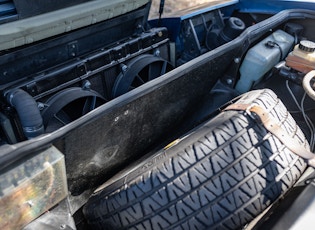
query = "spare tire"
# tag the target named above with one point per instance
(219, 176)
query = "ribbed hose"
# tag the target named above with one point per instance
(28, 112)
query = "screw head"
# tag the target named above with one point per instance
(229, 81)
(124, 68)
(237, 60)
(86, 85)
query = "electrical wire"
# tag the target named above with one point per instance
(309, 120)
(302, 110)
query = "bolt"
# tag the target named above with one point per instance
(229, 81)
(40, 106)
(157, 53)
(124, 68)
(160, 33)
(63, 226)
(237, 60)
(86, 85)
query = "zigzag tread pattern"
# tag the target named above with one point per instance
(221, 181)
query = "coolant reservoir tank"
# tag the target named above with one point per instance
(262, 57)
(302, 58)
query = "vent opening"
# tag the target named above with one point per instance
(7, 11)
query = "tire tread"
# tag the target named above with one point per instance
(221, 176)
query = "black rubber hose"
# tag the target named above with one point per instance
(28, 112)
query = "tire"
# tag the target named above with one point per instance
(220, 176)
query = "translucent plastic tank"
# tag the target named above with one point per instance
(262, 57)
(302, 58)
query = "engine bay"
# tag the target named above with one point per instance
(52, 83)
(107, 94)
(60, 90)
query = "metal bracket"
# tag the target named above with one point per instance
(73, 49)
